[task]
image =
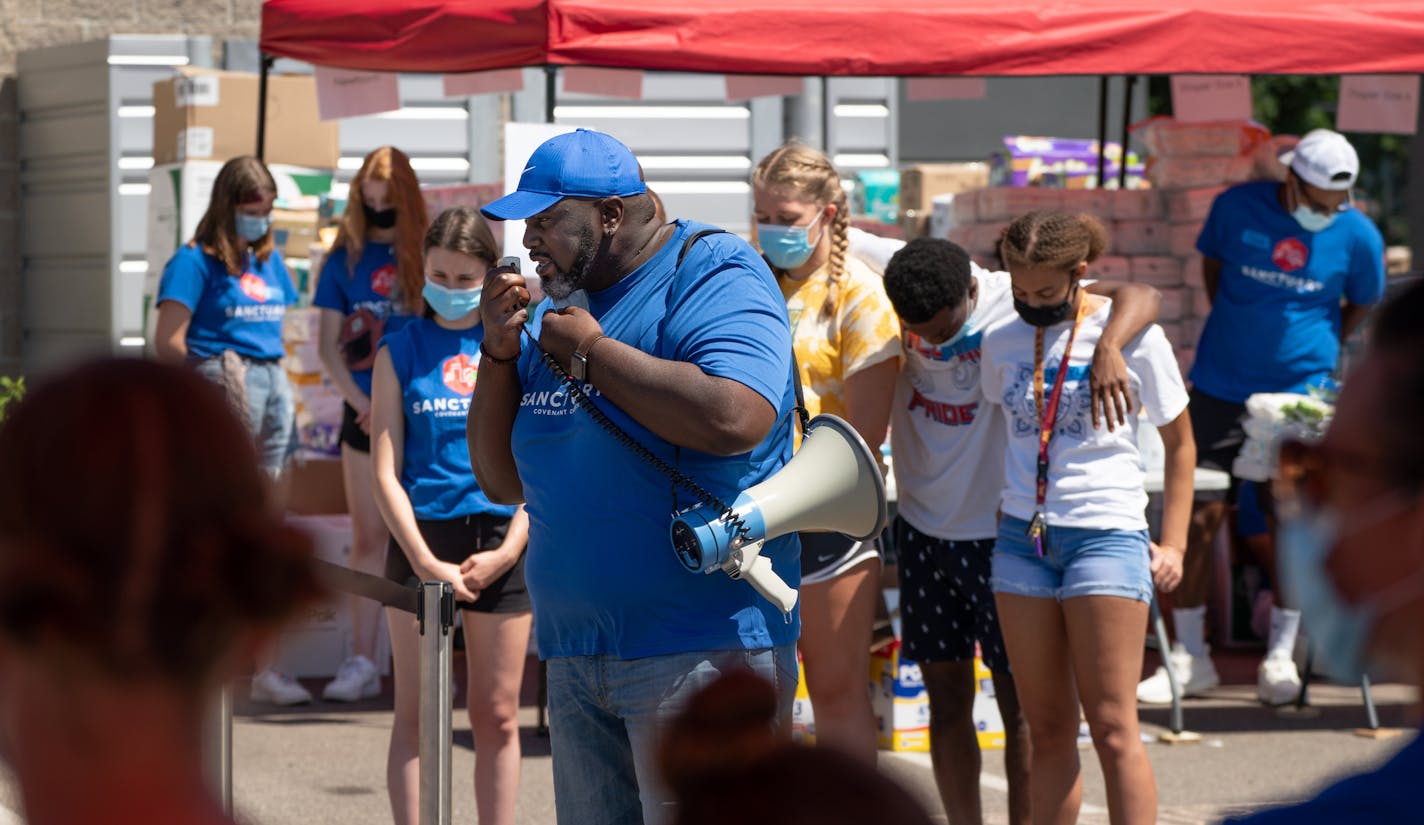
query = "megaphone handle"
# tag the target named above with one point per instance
(761, 576)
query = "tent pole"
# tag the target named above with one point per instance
(1126, 121)
(264, 62)
(826, 116)
(1102, 130)
(551, 85)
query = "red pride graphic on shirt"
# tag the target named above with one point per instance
(383, 280)
(253, 287)
(1290, 255)
(458, 373)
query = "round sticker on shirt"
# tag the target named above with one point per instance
(383, 280)
(1290, 255)
(253, 287)
(458, 373)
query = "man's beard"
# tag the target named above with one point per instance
(561, 285)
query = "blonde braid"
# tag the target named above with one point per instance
(840, 246)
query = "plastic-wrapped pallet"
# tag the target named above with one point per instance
(1192, 271)
(1193, 172)
(1182, 238)
(1139, 237)
(1165, 136)
(1186, 205)
(1110, 268)
(1137, 205)
(1098, 202)
(1156, 270)
(1174, 304)
(1004, 203)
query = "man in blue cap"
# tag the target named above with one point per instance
(685, 347)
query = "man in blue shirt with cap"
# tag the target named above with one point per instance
(687, 349)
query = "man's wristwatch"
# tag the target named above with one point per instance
(578, 365)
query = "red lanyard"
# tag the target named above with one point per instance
(1047, 416)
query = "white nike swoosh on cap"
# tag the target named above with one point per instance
(526, 170)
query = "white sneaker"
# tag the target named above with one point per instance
(356, 679)
(1277, 681)
(273, 688)
(1194, 675)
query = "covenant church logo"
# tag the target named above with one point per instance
(253, 287)
(458, 373)
(383, 280)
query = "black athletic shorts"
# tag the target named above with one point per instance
(946, 604)
(454, 540)
(824, 556)
(351, 433)
(1217, 427)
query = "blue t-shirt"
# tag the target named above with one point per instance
(373, 286)
(1275, 322)
(600, 566)
(436, 368)
(1384, 796)
(243, 314)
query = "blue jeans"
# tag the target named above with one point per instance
(606, 716)
(271, 413)
(1076, 562)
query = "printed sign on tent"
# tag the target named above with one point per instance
(748, 86)
(484, 83)
(1198, 98)
(1387, 103)
(946, 88)
(590, 80)
(347, 93)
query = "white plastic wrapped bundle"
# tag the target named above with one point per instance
(1271, 418)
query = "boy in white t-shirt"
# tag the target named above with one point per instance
(1073, 568)
(947, 448)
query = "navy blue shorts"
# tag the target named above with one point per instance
(946, 604)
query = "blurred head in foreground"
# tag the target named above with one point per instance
(141, 563)
(726, 762)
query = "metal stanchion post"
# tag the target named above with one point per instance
(219, 750)
(437, 622)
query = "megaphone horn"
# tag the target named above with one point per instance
(832, 484)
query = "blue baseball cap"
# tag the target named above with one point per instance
(579, 164)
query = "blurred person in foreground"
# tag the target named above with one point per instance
(139, 570)
(1351, 552)
(727, 762)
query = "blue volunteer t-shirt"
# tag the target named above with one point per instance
(243, 313)
(373, 286)
(600, 566)
(436, 368)
(1275, 322)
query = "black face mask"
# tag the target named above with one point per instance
(1046, 316)
(384, 219)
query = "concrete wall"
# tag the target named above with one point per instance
(30, 24)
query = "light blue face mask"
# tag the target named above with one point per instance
(1339, 632)
(451, 304)
(787, 247)
(1309, 219)
(252, 228)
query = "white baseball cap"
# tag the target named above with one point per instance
(1325, 160)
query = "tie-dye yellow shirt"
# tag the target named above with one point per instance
(860, 331)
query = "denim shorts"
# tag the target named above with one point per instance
(1076, 562)
(270, 411)
(606, 717)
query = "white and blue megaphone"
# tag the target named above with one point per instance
(832, 485)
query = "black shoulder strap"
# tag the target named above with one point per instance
(803, 416)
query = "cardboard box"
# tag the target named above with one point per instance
(294, 231)
(313, 487)
(205, 114)
(988, 722)
(320, 640)
(899, 701)
(803, 718)
(921, 182)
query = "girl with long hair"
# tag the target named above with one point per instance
(443, 528)
(370, 285)
(1073, 567)
(847, 342)
(221, 302)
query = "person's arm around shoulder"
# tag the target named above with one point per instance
(489, 427)
(870, 340)
(1134, 307)
(387, 457)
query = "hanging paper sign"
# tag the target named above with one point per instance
(748, 86)
(590, 80)
(346, 93)
(1385, 103)
(946, 88)
(1198, 98)
(484, 83)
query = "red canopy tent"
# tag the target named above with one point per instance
(856, 37)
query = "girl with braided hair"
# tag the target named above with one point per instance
(847, 342)
(1073, 567)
